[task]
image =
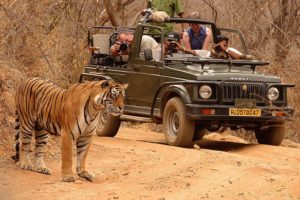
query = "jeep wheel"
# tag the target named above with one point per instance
(178, 130)
(108, 125)
(272, 135)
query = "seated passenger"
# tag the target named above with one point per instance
(197, 36)
(222, 50)
(172, 45)
(124, 41)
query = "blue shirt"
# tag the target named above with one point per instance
(197, 39)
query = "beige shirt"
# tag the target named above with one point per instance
(148, 42)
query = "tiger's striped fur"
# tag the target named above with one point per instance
(43, 107)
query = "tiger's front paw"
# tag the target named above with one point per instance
(87, 175)
(67, 178)
(43, 170)
(27, 166)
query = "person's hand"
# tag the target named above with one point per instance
(116, 47)
(223, 44)
(159, 16)
(178, 46)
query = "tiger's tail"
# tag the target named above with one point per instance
(16, 157)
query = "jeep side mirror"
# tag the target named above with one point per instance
(148, 54)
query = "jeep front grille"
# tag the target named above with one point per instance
(234, 90)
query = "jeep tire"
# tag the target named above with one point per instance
(178, 130)
(272, 135)
(108, 125)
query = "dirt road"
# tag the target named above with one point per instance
(138, 165)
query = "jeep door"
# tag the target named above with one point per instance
(143, 77)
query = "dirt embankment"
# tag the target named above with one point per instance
(138, 165)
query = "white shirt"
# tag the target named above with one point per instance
(148, 42)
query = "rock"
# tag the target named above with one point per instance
(196, 146)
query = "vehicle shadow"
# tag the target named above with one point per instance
(205, 143)
(218, 145)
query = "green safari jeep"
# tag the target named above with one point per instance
(190, 95)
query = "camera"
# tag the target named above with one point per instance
(172, 46)
(123, 46)
(172, 38)
(218, 48)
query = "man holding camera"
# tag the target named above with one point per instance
(222, 50)
(124, 40)
(172, 45)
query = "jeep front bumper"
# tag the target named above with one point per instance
(221, 113)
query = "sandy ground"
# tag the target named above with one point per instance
(137, 164)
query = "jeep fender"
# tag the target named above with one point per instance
(172, 91)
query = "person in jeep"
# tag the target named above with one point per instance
(124, 40)
(222, 50)
(197, 36)
(172, 45)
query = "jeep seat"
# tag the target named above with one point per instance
(101, 44)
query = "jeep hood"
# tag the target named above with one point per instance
(218, 73)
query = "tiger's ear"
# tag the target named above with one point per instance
(105, 84)
(125, 85)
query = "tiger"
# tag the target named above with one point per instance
(42, 107)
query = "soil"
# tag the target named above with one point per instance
(137, 164)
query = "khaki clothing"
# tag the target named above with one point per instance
(171, 7)
(148, 43)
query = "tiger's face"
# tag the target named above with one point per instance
(112, 98)
(117, 96)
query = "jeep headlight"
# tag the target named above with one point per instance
(273, 94)
(205, 91)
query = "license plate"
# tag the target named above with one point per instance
(244, 112)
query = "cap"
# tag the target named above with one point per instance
(173, 36)
(220, 38)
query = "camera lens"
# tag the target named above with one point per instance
(173, 45)
(123, 47)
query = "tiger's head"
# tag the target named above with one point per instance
(112, 98)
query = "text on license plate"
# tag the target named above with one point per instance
(244, 112)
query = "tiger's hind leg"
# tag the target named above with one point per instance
(82, 146)
(41, 139)
(26, 135)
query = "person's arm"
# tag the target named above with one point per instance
(234, 53)
(186, 40)
(178, 8)
(179, 11)
(207, 39)
(185, 50)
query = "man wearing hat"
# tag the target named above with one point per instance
(172, 44)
